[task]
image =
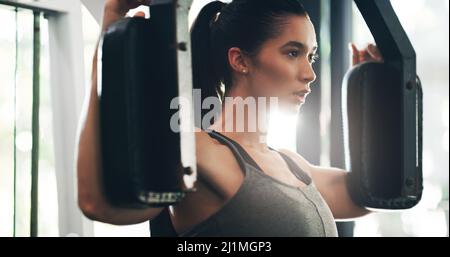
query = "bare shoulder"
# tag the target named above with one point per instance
(206, 146)
(216, 164)
(211, 151)
(300, 160)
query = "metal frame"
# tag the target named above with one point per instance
(398, 52)
(185, 83)
(340, 35)
(68, 87)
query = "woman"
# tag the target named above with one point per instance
(256, 48)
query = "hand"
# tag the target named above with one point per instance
(116, 9)
(121, 7)
(370, 53)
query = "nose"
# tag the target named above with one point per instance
(307, 73)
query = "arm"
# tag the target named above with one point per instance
(331, 183)
(91, 199)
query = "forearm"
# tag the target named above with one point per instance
(332, 184)
(91, 197)
(88, 161)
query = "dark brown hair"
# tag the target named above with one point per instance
(245, 24)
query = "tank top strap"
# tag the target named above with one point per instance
(298, 172)
(243, 155)
(235, 149)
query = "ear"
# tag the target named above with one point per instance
(239, 62)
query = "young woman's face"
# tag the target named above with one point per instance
(283, 67)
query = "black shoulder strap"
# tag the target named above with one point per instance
(236, 148)
(239, 153)
(298, 172)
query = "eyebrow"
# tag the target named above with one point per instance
(298, 45)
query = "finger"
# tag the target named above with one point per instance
(139, 14)
(355, 53)
(363, 56)
(374, 53)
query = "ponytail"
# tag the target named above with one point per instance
(205, 76)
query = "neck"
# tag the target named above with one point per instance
(244, 119)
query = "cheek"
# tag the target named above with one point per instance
(274, 75)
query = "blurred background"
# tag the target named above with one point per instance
(69, 31)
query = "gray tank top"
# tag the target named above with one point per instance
(265, 206)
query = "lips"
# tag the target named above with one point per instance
(301, 95)
(302, 92)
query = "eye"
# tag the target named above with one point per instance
(313, 58)
(293, 54)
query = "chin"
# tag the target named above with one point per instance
(290, 109)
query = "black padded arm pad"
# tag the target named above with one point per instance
(140, 152)
(373, 114)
